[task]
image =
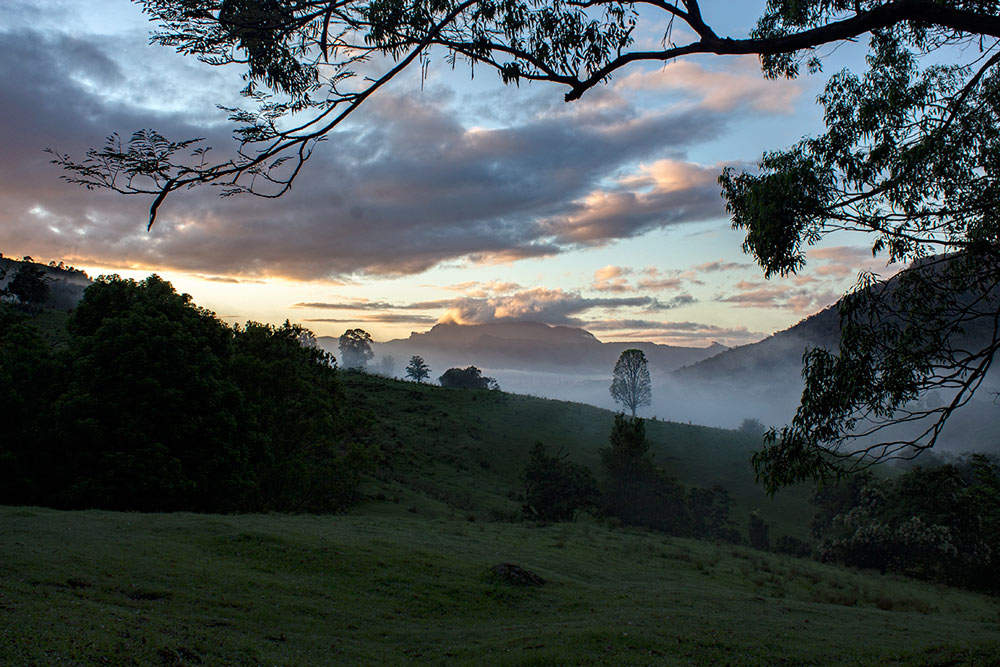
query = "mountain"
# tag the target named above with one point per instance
(779, 356)
(526, 346)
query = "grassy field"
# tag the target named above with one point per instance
(182, 589)
(454, 453)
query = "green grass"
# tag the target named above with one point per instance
(116, 588)
(455, 453)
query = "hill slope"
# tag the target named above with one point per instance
(461, 453)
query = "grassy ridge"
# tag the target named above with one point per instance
(461, 453)
(117, 588)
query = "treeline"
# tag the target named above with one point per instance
(937, 523)
(154, 404)
(632, 490)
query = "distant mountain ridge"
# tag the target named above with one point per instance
(528, 346)
(780, 354)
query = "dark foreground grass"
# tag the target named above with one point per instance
(182, 589)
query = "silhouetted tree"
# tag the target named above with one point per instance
(467, 378)
(630, 385)
(417, 369)
(556, 489)
(355, 348)
(633, 489)
(30, 285)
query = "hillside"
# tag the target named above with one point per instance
(455, 453)
(66, 284)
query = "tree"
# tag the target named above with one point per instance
(908, 159)
(29, 285)
(467, 378)
(630, 386)
(554, 488)
(417, 369)
(633, 489)
(355, 348)
(387, 367)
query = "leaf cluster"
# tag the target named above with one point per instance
(939, 523)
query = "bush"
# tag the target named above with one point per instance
(556, 489)
(467, 378)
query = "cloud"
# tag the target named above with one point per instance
(674, 333)
(384, 318)
(758, 294)
(740, 86)
(408, 186)
(552, 306)
(663, 193)
(719, 265)
(612, 279)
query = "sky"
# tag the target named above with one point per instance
(452, 198)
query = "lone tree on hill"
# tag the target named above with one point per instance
(418, 370)
(908, 160)
(630, 386)
(356, 348)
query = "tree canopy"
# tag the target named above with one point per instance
(909, 158)
(417, 369)
(630, 385)
(355, 348)
(467, 378)
(154, 404)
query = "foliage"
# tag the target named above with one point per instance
(467, 378)
(634, 490)
(909, 157)
(752, 426)
(29, 285)
(417, 370)
(157, 405)
(556, 489)
(708, 510)
(355, 348)
(940, 523)
(30, 379)
(630, 385)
